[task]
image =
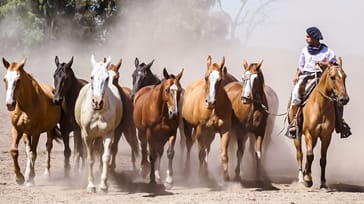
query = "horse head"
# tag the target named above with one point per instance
(142, 76)
(62, 80)
(99, 81)
(171, 89)
(213, 78)
(336, 82)
(12, 79)
(253, 82)
(114, 71)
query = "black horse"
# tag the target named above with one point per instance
(143, 76)
(67, 87)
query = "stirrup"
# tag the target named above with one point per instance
(292, 130)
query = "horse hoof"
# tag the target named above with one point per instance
(308, 183)
(104, 190)
(46, 173)
(91, 189)
(153, 182)
(324, 187)
(20, 180)
(237, 178)
(29, 183)
(168, 184)
(226, 177)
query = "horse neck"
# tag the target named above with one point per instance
(154, 80)
(323, 88)
(27, 91)
(157, 94)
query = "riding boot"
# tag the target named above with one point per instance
(340, 125)
(292, 130)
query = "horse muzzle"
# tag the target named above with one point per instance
(11, 106)
(343, 100)
(57, 100)
(97, 104)
(210, 103)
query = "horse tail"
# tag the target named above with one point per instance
(57, 135)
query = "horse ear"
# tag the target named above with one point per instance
(260, 64)
(245, 64)
(69, 64)
(208, 61)
(93, 61)
(119, 64)
(340, 62)
(179, 75)
(224, 70)
(23, 62)
(56, 60)
(6, 63)
(108, 60)
(222, 62)
(165, 73)
(136, 62)
(150, 64)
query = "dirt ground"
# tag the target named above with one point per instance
(126, 185)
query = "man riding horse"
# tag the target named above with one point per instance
(312, 58)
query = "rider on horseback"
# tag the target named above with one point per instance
(306, 78)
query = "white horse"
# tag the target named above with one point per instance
(98, 112)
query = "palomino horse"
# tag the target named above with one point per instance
(207, 108)
(98, 112)
(156, 116)
(67, 87)
(127, 124)
(319, 119)
(32, 113)
(249, 116)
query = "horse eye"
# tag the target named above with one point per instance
(92, 78)
(333, 78)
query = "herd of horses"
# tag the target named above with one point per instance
(149, 115)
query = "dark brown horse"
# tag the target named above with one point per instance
(156, 116)
(32, 113)
(126, 126)
(249, 117)
(67, 87)
(207, 109)
(319, 119)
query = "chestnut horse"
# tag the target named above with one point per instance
(156, 116)
(32, 113)
(127, 124)
(319, 119)
(98, 112)
(249, 115)
(207, 109)
(67, 87)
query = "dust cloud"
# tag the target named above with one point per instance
(171, 47)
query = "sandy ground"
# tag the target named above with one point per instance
(126, 185)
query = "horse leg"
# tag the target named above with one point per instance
(259, 136)
(310, 144)
(108, 140)
(131, 138)
(19, 178)
(79, 153)
(225, 137)
(31, 149)
(170, 155)
(90, 161)
(202, 155)
(239, 155)
(187, 129)
(157, 164)
(299, 157)
(114, 147)
(143, 144)
(67, 150)
(49, 145)
(152, 158)
(324, 146)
